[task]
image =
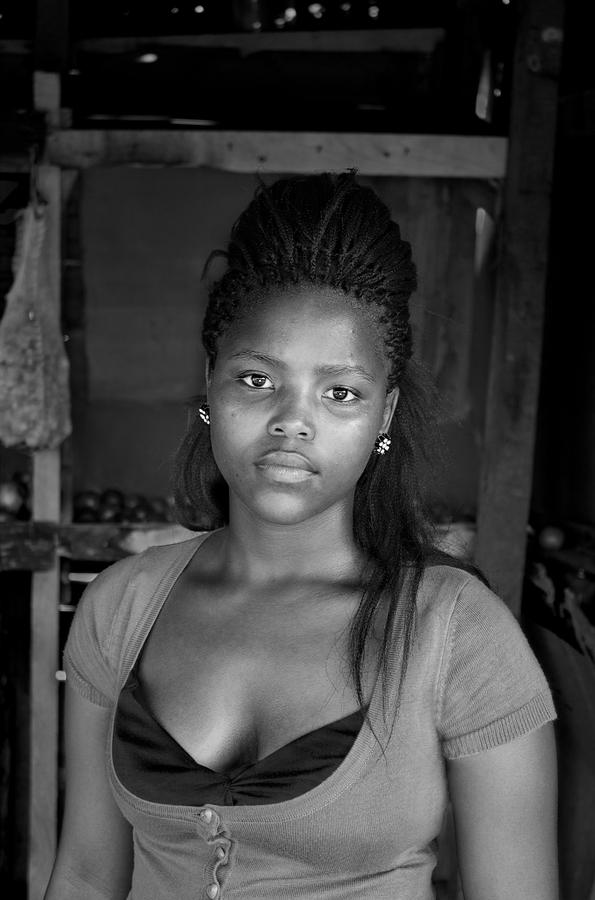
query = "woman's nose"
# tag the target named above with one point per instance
(292, 420)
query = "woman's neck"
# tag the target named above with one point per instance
(318, 549)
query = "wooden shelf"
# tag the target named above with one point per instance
(387, 40)
(33, 546)
(406, 155)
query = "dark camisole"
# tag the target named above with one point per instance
(151, 764)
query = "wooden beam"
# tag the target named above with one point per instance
(45, 594)
(381, 40)
(408, 155)
(507, 464)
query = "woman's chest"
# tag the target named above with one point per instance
(236, 683)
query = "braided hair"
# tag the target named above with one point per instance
(328, 230)
(324, 230)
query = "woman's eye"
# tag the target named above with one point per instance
(341, 395)
(254, 380)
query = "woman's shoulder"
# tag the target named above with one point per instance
(160, 557)
(111, 585)
(112, 608)
(136, 580)
(446, 581)
(455, 600)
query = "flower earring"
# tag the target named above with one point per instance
(382, 444)
(204, 411)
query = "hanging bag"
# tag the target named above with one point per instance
(34, 388)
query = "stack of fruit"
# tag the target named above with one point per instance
(113, 505)
(15, 495)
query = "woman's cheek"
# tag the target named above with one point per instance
(352, 455)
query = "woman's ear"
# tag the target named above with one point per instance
(390, 406)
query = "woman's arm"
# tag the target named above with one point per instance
(505, 811)
(94, 860)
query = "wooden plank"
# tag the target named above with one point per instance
(410, 155)
(44, 662)
(509, 435)
(381, 40)
(43, 759)
(45, 594)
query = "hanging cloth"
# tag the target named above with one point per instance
(34, 388)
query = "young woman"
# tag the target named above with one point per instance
(283, 707)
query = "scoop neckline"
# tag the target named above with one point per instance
(328, 791)
(134, 685)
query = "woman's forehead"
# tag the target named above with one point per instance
(308, 320)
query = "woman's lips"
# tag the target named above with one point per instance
(286, 474)
(288, 468)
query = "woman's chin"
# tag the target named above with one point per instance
(281, 508)
(284, 514)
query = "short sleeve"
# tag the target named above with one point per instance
(91, 655)
(491, 687)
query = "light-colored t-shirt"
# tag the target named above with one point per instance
(368, 831)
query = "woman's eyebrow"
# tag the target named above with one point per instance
(345, 370)
(328, 370)
(261, 357)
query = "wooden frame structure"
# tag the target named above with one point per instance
(523, 163)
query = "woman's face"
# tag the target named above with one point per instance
(298, 397)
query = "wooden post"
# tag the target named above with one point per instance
(507, 466)
(50, 51)
(43, 727)
(45, 589)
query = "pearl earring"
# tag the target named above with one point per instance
(204, 411)
(382, 444)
